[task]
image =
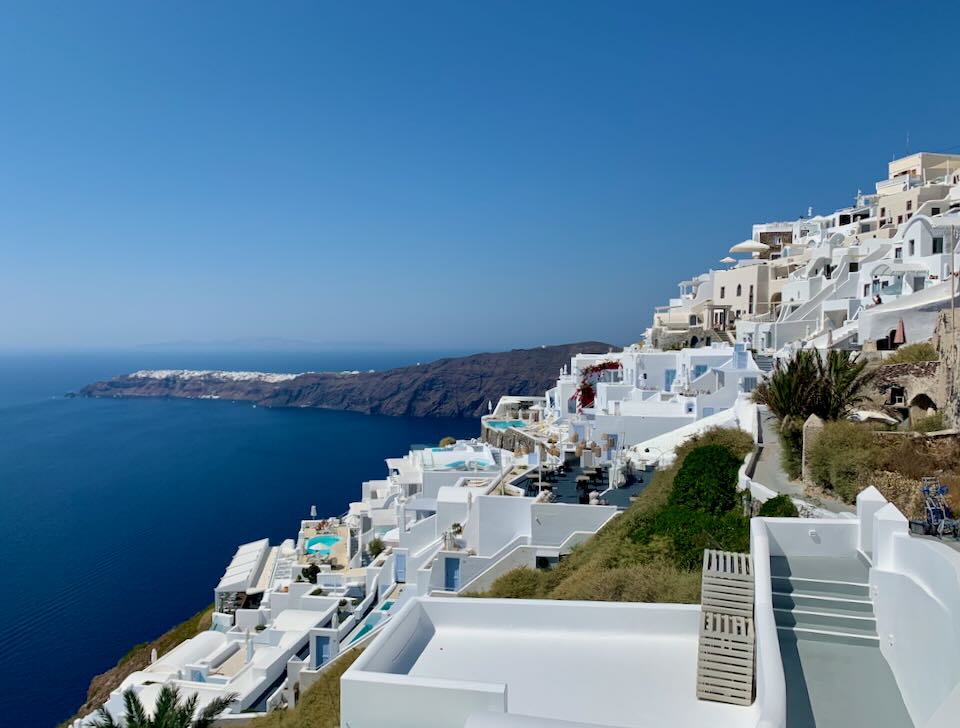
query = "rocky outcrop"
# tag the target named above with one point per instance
(454, 387)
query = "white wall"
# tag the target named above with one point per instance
(553, 523)
(915, 585)
(501, 519)
(812, 536)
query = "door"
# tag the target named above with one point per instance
(321, 651)
(451, 574)
(668, 376)
(400, 568)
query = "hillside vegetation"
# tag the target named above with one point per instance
(653, 551)
(847, 457)
(137, 659)
(319, 706)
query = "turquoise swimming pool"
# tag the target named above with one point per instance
(322, 544)
(386, 606)
(505, 424)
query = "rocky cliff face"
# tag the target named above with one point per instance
(455, 387)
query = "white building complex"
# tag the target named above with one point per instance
(850, 278)
(852, 621)
(845, 612)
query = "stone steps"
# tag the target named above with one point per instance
(827, 600)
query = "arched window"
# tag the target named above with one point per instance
(739, 290)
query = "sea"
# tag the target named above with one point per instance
(118, 516)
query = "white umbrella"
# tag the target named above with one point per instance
(750, 246)
(728, 260)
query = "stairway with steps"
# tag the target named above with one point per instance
(824, 599)
(764, 361)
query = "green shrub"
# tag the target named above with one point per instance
(376, 547)
(842, 456)
(779, 507)
(923, 351)
(689, 531)
(791, 447)
(930, 423)
(309, 573)
(707, 480)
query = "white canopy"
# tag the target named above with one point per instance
(728, 260)
(750, 246)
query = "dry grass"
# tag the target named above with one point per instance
(319, 706)
(912, 458)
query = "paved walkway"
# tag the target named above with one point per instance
(770, 473)
(839, 686)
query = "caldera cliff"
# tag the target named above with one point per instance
(452, 387)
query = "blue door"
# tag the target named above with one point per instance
(668, 376)
(400, 568)
(451, 574)
(321, 651)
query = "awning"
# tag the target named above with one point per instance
(892, 269)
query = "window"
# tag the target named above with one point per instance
(909, 205)
(898, 253)
(866, 289)
(937, 246)
(723, 291)
(899, 219)
(854, 266)
(912, 247)
(934, 210)
(883, 212)
(699, 370)
(739, 290)
(749, 384)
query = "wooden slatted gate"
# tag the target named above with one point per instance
(725, 660)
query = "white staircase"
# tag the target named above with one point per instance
(825, 599)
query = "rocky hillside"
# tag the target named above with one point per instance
(454, 387)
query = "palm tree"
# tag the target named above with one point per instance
(842, 383)
(791, 389)
(168, 712)
(809, 383)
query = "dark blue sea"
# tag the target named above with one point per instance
(117, 517)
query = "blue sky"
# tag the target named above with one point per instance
(450, 174)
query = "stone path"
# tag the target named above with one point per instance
(770, 473)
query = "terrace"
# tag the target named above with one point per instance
(442, 660)
(575, 484)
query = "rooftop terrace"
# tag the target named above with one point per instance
(442, 660)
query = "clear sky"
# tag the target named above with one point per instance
(451, 174)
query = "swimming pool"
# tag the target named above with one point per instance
(386, 606)
(505, 424)
(322, 544)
